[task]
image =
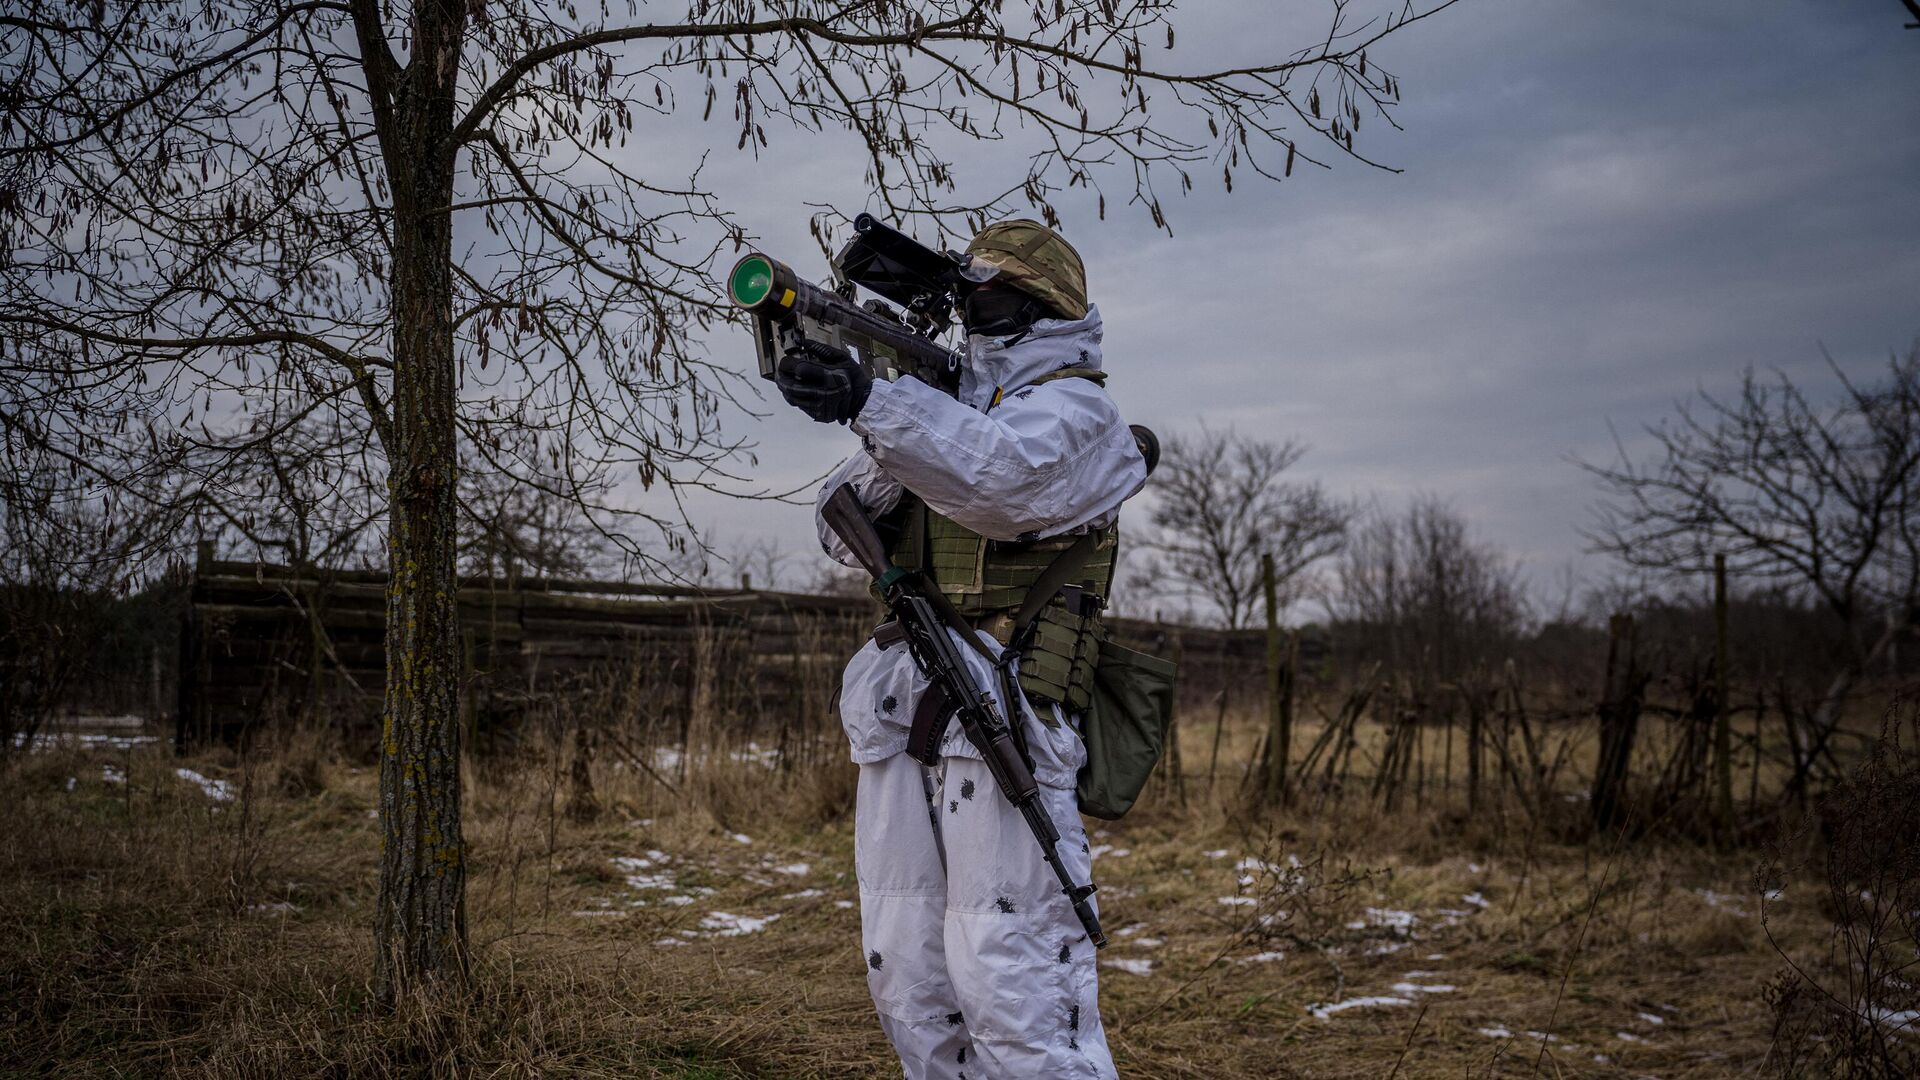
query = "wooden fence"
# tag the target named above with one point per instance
(260, 643)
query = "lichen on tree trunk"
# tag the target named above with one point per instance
(420, 933)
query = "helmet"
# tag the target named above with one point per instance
(1037, 260)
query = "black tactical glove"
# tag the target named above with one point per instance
(823, 382)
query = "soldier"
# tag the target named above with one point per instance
(975, 960)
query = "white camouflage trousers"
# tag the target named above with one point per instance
(975, 960)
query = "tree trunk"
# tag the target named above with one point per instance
(420, 933)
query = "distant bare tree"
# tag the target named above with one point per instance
(1220, 501)
(1824, 499)
(832, 579)
(512, 530)
(1426, 590)
(761, 562)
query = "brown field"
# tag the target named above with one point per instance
(155, 929)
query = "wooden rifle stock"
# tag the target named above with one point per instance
(849, 521)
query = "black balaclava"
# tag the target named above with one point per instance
(1002, 311)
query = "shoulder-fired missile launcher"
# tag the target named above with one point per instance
(916, 291)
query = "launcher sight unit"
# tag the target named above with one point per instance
(888, 339)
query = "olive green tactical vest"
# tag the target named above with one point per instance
(988, 580)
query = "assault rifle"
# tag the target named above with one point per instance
(912, 604)
(888, 341)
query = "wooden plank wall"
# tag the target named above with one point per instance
(261, 643)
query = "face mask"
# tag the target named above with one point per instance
(998, 312)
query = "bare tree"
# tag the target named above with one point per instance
(1822, 499)
(760, 562)
(221, 217)
(1426, 591)
(1221, 500)
(512, 530)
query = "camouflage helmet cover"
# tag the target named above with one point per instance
(1036, 259)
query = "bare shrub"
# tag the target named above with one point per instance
(1853, 1010)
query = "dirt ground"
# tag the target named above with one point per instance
(208, 917)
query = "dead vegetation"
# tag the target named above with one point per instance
(653, 901)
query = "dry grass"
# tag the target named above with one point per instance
(152, 930)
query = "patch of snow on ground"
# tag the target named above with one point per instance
(1324, 1012)
(1400, 922)
(1628, 1036)
(1263, 958)
(217, 790)
(798, 869)
(671, 941)
(649, 881)
(1474, 868)
(803, 894)
(1220, 853)
(111, 774)
(604, 913)
(1384, 948)
(1149, 942)
(1495, 1032)
(1652, 1018)
(677, 901)
(1130, 965)
(1436, 956)
(1476, 900)
(633, 865)
(1882, 1016)
(1239, 901)
(1419, 988)
(724, 924)
(1723, 901)
(843, 903)
(741, 838)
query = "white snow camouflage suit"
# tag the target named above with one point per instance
(976, 962)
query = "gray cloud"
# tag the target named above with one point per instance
(1603, 207)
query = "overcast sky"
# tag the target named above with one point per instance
(1603, 207)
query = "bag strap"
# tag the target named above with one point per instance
(1051, 580)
